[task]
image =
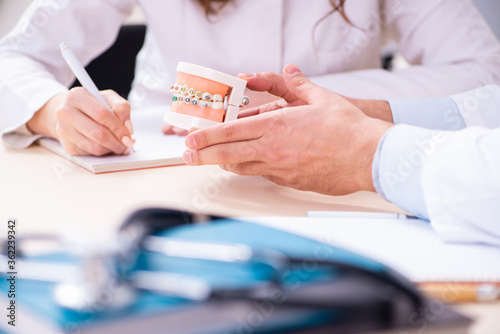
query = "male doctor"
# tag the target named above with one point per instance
(314, 139)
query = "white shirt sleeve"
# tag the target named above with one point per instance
(479, 107)
(439, 114)
(20, 138)
(450, 48)
(451, 178)
(89, 26)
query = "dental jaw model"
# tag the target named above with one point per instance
(203, 97)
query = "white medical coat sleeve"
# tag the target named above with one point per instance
(33, 48)
(21, 137)
(480, 107)
(451, 178)
(397, 167)
(468, 57)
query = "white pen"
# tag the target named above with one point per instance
(358, 214)
(85, 80)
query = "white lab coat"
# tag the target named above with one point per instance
(448, 43)
(461, 184)
(451, 178)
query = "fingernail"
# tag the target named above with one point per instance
(190, 142)
(292, 69)
(127, 142)
(186, 156)
(247, 75)
(130, 128)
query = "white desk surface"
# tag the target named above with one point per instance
(48, 194)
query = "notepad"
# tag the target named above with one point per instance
(152, 149)
(408, 246)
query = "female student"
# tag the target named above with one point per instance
(337, 43)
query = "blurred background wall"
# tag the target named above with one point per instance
(11, 10)
(491, 12)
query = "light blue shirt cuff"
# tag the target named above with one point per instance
(397, 167)
(438, 114)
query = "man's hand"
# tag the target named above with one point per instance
(274, 84)
(83, 125)
(322, 143)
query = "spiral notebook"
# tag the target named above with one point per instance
(152, 149)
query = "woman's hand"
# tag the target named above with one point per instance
(172, 130)
(83, 125)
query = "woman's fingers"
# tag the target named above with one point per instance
(73, 149)
(167, 129)
(120, 106)
(172, 130)
(180, 132)
(77, 144)
(98, 139)
(82, 100)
